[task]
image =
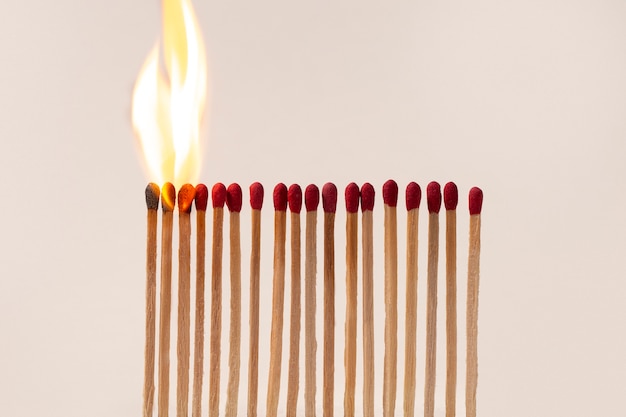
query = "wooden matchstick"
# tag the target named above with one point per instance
(256, 203)
(202, 195)
(294, 197)
(152, 203)
(352, 195)
(185, 200)
(278, 295)
(450, 199)
(218, 194)
(233, 201)
(390, 198)
(433, 195)
(473, 278)
(367, 207)
(168, 202)
(329, 203)
(413, 199)
(311, 201)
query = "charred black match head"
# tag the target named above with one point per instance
(153, 193)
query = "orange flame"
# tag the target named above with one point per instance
(168, 103)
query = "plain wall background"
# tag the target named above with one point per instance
(526, 99)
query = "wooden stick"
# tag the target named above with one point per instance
(451, 197)
(218, 194)
(276, 338)
(233, 200)
(295, 204)
(433, 194)
(413, 197)
(185, 199)
(352, 220)
(256, 203)
(473, 278)
(311, 200)
(390, 198)
(329, 203)
(152, 203)
(167, 202)
(367, 206)
(198, 350)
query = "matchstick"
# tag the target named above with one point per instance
(352, 195)
(311, 201)
(450, 199)
(278, 295)
(413, 199)
(367, 207)
(152, 204)
(256, 203)
(294, 197)
(168, 202)
(433, 196)
(233, 201)
(202, 195)
(186, 195)
(473, 278)
(390, 198)
(329, 203)
(218, 195)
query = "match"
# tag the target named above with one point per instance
(311, 202)
(450, 199)
(390, 200)
(329, 203)
(352, 195)
(367, 207)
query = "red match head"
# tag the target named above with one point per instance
(352, 198)
(218, 194)
(390, 193)
(450, 196)
(475, 200)
(413, 196)
(367, 197)
(433, 197)
(280, 197)
(294, 196)
(168, 196)
(202, 197)
(233, 197)
(256, 196)
(152, 196)
(311, 197)
(329, 197)
(186, 195)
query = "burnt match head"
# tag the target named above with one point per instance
(475, 200)
(152, 196)
(256, 196)
(233, 197)
(168, 197)
(218, 195)
(390, 193)
(433, 197)
(186, 195)
(413, 196)
(367, 197)
(329, 197)
(311, 197)
(450, 196)
(294, 195)
(280, 197)
(352, 198)
(202, 197)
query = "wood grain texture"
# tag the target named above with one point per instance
(293, 380)
(368, 314)
(255, 272)
(310, 342)
(234, 356)
(198, 349)
(431, 315)
(216, 312)
(391, 311)
(149, 353)
(164, 317)
(451, 314)
(410, 341)
(352, 222)
(473, 278)
(184, 299)
(328, 402)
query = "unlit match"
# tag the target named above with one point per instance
(311, 202)
(390, 200)
(367, 206)
(451, 198)
(329, 203)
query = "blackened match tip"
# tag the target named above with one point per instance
(294, 196)
(311, 197)
(234, 198)
(186, 195)
(218, 195)
(280, 197)
(368, 194)
(153, 193)
(256, 196)
(413, 196)
(433, 197)
(329, 197)
(168, 196)
(202, 197)
(390, 193)
(352, 195)
(450, 196)
(475, 200)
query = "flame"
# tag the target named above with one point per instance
(168, 103)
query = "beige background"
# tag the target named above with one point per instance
(524, 98)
